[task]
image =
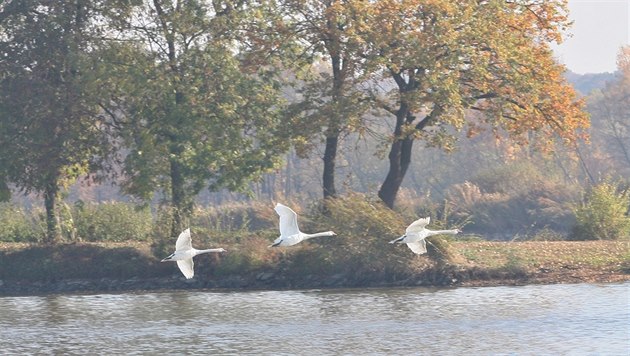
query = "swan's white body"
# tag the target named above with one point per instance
(290, 234)
(184, 253)
(416, 234)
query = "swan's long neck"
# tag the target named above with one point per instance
(325, 233)
(440, 232)
(199, 252)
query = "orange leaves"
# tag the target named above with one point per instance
(492, 56)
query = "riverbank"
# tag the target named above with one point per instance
(114, 267)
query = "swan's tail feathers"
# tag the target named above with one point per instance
(398, 240)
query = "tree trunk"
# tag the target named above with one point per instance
(339, 70)
(288, 178)
(330, 155)
(400, 153)
(399, 159)
(50, 202)
(179, 202)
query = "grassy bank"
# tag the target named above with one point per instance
(32, 269)
(101, 259)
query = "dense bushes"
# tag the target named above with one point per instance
(513, 201)
(19, 225)
(112, 222)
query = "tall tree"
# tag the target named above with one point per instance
(197, 115)
(610, 111)
(446, 59)
(327, 32)
(52, 131)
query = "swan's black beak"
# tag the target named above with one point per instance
(168, 258)
(398, 240)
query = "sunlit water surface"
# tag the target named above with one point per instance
(578, 319)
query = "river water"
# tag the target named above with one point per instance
(571, 319)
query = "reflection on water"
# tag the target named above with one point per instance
(558, 319)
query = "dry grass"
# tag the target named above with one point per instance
(550, 261)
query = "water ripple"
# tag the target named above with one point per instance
(544, 319)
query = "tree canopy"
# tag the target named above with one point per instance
(193, 95)
(52, 131)
(196, 114)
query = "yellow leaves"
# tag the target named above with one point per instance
(623, 61)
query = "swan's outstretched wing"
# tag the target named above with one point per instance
(288, 220)
(417, 225)
(183, 241)
(419, 247)
(187, 267)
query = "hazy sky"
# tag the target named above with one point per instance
(599, 29)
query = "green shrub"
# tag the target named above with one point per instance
(603, 215)
(114, 222)
(18, 225)
(361, 250)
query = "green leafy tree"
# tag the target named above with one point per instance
(52, 131)
(196, 112)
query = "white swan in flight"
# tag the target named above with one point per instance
(184, 253)
(290, 234)
(416, 234)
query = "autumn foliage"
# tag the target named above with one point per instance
(443, 61)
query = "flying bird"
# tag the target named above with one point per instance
(416, 234)
(290, 234)
(184, 253)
